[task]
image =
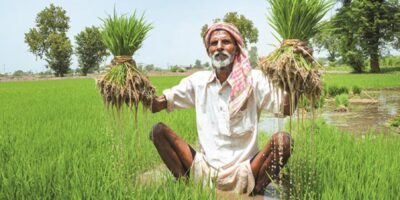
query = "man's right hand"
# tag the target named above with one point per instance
(159, 103)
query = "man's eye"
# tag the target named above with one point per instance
(214, 43)
(226, 42)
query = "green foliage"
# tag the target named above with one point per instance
(197, 64)
(149, 67)
(244, 25)
(298, 19)
(356, 90)
(328, 41)
(365, 29)
(253, 57)
(90, 49)
(342, 100)
(19, 73)
(124, 35)
(48, 39)
(174, 68)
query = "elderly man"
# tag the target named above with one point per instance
(228, 101)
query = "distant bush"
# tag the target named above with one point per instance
(342, 100)
(174, 69)
(19, 73)
(181, 70)
(356, 90)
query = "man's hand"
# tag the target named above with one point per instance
(159, 103)
(303, 49)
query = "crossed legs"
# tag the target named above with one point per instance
(178, 155)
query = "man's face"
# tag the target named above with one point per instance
(222, 49)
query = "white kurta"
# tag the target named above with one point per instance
(225, 144)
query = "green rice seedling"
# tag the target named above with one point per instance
(342, 100)
(395, 121)
(343, 90)
(356, 90)
(123, 82)
(295, 21)
(333, 90)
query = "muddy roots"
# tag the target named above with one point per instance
(291, 72)
(124, 84)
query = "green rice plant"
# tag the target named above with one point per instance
(343, 90)
(356, 90)
(367, 81)
(395, 121)
(333, 90)
(45, 156)
(345, 166)
(124, 82)
(342, 100)
(295, 21)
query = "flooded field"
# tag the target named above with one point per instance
(361, 117)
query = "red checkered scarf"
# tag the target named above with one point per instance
(240, 77)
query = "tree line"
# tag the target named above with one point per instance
(360, 30)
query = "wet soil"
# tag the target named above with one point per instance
(369, 112)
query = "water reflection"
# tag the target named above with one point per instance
(360, 118)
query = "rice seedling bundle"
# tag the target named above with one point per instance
(295, 21)
(123, 83)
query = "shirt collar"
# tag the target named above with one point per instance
(213, 77)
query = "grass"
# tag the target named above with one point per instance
(55, 143)
(365, 81)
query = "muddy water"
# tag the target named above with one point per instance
(361, 117)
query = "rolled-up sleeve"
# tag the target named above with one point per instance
(180, 96)
(269, 97)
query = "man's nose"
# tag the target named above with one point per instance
(220, 46)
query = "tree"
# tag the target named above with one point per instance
(326, 39)
(48, 39)
(377, 28)
(90, 49)
(244, 25)
(149, 67)
(197, 64)
(344, 29)
(366, 28)
(253, 57)
(206, 65)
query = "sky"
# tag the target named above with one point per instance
(174, 40)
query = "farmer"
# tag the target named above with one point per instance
(228, 102)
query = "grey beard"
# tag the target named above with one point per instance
(218, 64)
